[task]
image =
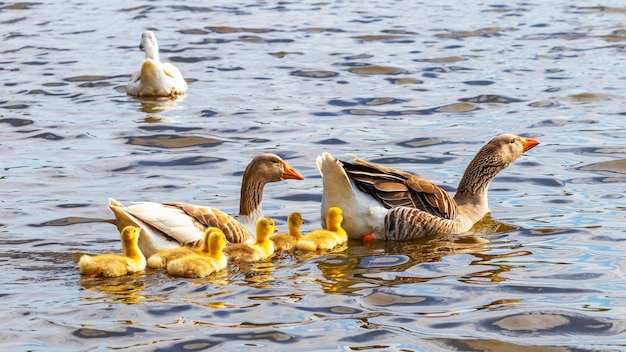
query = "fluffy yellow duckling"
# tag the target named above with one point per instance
(111, 265)
(325, 239)
(261, 249)
(160, 259)
(287, 241)
(207, 260)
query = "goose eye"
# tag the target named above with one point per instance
(512, 141)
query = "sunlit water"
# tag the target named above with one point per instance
(415, 85)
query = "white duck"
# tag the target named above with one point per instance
(155, 78)
(389, 204)
(168, 225)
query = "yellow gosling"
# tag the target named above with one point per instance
(287, 241)
(160, 259)
(112, 265)
(207, 260)
(261, 249)
(325, 239)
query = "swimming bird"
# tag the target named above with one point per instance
(160, 259)
(390, 204)
(111, 264)
(261, 248)
(206, 260)
(287, 241)
(155, 78)
(328, 238)
(173, 224)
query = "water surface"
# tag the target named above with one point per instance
(418, 86)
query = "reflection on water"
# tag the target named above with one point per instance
(419, 87)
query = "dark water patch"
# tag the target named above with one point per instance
(358, 57)
(322, 30)
(35, 63)
(479, 83)
(491, 98)
(15, 122)
(226, 30)
(388, 38)
(16, 107)
(189, 161)
(343, 103)
(369, 337)
(591, 97)
(282, 54)
(452, 108)
(186, 8)
(192, 59)
(331, 310)
(326, 113)
(404, 80)
(90, 333)
(43, 92)
(256, 39)
(453, 344)
(165, 311)
(455, 108)
(419, 142)
(172, 141)
(162, 128)
(367, 101)
(208, 113)
(54, 84)
(383, 261)
(550, 323)
(193, 31)
(443, 60)
(487, 32)
(230, 69)
(544, 104)
(367, 112)
(301, 197)
(191, 345)
(420, 160)
(95, 85)
(377, 70)
(388, 298)
(268, 335)
(89, 78)
(48, 136)
(541, 181)
(70, 220)
(594, 150)
(618, 166)
(573, 277)
(314, 74)
(20, 6)
(331, 141)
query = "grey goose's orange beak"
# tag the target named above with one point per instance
(289, 173)
(529, 143)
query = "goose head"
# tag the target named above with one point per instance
(216, 240)
(271, 168)
(264, 228)
(130, 237)
(150, 45)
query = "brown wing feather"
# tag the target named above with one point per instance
(205, 217)
(394, 188)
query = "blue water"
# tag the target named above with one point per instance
(419, 86)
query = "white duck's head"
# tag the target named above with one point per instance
(150, 45)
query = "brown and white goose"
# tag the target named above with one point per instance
(168, 225)
(390, 204)
(155, 78)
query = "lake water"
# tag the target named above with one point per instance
(418, 86)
